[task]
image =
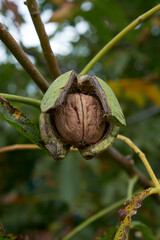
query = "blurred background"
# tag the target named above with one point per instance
(44, 198)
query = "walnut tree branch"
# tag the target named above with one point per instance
(128, 165)
(44, 40)
(22, 58)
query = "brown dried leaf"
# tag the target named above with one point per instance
(39, 234)
(57, 2)
(65, 11)
(7, 5)
(129, 209)
(10, 198)
(156, 20)
(1, 228)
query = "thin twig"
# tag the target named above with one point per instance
(44, 40)
(24, 146)
(14, 98)
(22, 58)
(19, 147)
(109, 45)
(142, 157)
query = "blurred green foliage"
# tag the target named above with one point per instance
(46, 199)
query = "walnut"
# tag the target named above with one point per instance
(72, 116)
(79, 120)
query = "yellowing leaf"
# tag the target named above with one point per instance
(22, 123)
(129, 209)
(137, 90)
(11, 236)
(138, 98)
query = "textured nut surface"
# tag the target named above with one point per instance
(79, 119)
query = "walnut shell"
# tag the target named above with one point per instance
(79, 120)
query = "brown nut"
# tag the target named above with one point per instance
(79, 119)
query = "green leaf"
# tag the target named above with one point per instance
(108, 235)
(18, 120)
(145, 230)
(129, 209)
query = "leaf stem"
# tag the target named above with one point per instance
(155, 191)
(44, 40)
(94, 218)
(25, 100)
(109, 45)
(142, 157)
(22, 58)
